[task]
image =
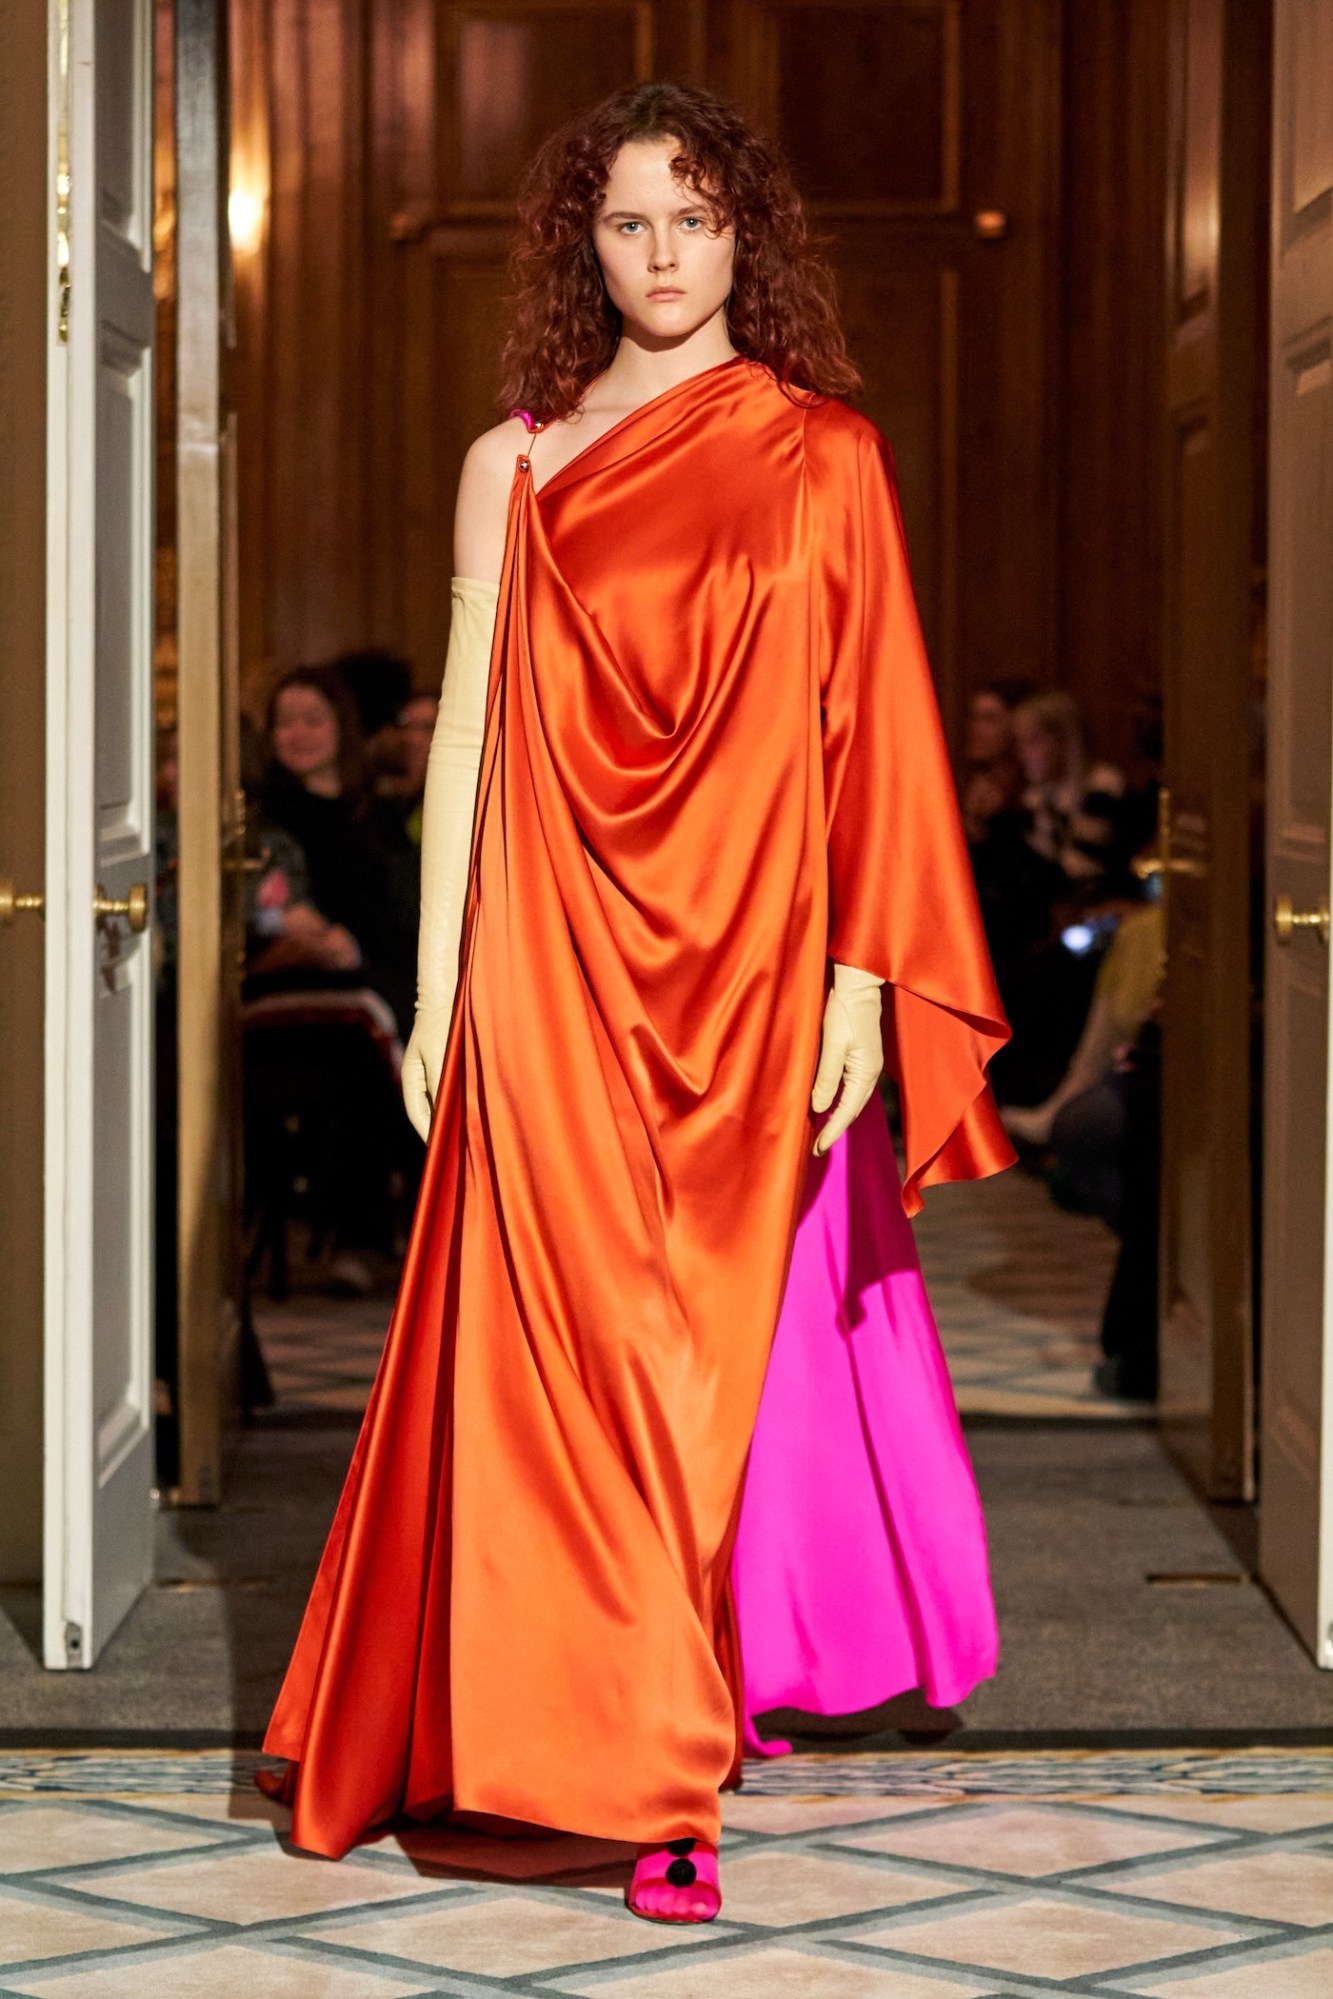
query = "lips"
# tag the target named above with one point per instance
(667, 291)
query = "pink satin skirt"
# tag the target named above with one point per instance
(860, 1567)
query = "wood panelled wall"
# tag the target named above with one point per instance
(1112, 379)
(350, 434)
(1013, 373)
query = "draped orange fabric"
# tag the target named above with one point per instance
(712, 761)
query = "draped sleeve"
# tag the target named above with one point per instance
(901, 898)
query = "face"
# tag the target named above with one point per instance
(988, 728)
(305, 732)
(1038, 751)
(667, 263)
(416, 727)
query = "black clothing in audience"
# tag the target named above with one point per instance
(380, 684)
(364, 875)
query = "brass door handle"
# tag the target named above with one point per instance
(1287, 919)
(11, 904)
(133, 907)
(990, 225)
(1148, 866)
(248, 864)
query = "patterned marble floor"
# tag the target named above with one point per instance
(1018, 1288)
(1017, 1285)
(1190, 1877)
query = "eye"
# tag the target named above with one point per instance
(626, 228)
(693, 223)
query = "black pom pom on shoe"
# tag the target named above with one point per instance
(682, 1873)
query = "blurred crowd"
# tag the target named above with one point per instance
(335, 783)
(334, 779)
(1063, 848)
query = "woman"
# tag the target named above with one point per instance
(1071, 807)
(315, 790)
(352, 926)
(990, 779)
(712, 769)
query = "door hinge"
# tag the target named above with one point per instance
(73, 1644)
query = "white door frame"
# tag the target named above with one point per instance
(97, 1537)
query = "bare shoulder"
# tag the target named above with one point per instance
(483, 500)
(496, 449)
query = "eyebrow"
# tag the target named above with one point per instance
(634, 215)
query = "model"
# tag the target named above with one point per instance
(714, 827)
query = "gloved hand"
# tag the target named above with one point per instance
(446, 838)
(851, 1052)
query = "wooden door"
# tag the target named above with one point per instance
(99, 862)
(922, 134)
(211, 816)
(1296, 1495)
(1214, 473)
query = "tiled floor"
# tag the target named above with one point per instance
(1192, 1877)
(1017, 1286)
(322, 1353)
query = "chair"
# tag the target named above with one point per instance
(323, 1121)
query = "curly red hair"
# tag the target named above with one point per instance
(565, 329)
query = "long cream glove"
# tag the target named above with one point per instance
(446, 838)
(851, 1052)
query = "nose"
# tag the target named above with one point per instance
(664, 255)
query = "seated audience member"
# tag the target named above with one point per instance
(991, 779)
(1082, 1121)
(285, 935)
(405, 786)
(380, 684)
(1135, 817)
(1103, 1127)
(1070, 804)
(1053, 858)
(1015, 886)
(343, 1109)
(402, 790)
(315, 789)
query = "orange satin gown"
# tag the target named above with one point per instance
(712, 762)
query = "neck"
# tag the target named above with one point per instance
(644, 368)
(323, 782)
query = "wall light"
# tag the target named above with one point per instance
(245, 220)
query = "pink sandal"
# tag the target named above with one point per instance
(675, 1883)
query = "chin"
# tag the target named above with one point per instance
(676, 321)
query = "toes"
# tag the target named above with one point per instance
(662, 1900)
(672, 1902)
(684, 1890)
